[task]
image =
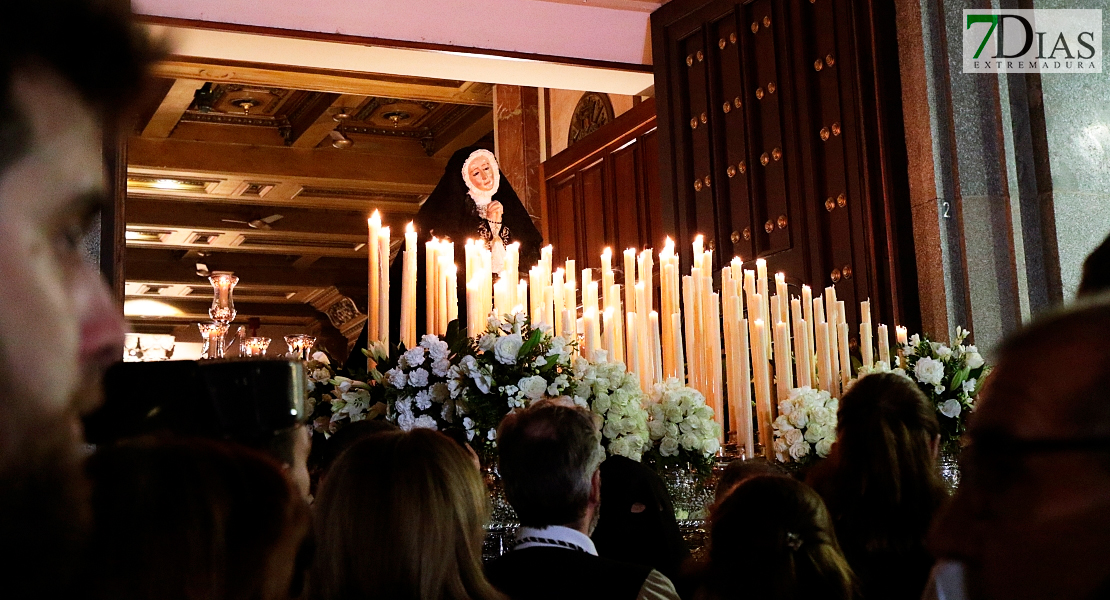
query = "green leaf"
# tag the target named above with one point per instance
(532, 342)
(959, 378)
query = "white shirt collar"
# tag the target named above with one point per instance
(555, 536)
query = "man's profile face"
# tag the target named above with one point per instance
(481, 174)
(58, 324)
(1030, 522)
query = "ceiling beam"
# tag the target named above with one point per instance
(327, 80)
(160, 265)
(463, 134)
(325, 123)
(169, 112)
(310, 167)
(170, 213)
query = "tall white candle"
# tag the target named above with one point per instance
(431, 261)
(680, 363)
(558, 289)
(656, 346)
(630, 280)
(845, 359)
(383, 287)
(884, 344)
(453, 293)
(408, 289)
(374, 226)
(764, 410)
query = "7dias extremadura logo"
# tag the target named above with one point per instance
(1031, 41)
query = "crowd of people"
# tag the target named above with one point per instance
(403, 514)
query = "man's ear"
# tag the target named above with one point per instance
(595, 487)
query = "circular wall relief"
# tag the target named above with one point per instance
(593, 111)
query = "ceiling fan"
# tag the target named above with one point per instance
(257, 223)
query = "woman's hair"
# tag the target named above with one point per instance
(401, 516)
(191, 519)
(884, 484)
(772, 538)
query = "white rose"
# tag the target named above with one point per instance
(668, 447)
(944, 351)
(414, 357)
(691, 441)
(824, 447)
(672, 411)
(486, 342)
(823, 416)
(794, 436)
(786, 408)
(816, 433)
(782, 423)
(780, 446)
(507, 347)
(602, 404)
(799, 451)
(930, 371)
(951, 408)
(396, 378)
(799, 418)
(974, 360)
(418, 378)
(321, 358)
(656, 429)
(812, 401)
(711, 446)
(533, 387)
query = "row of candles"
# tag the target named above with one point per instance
(223, 313)
(805, 338)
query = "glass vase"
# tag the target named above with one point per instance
(300, 346)
(256, 346)
(689, 492)
(213, 335)
(223, 307)
(948, 463)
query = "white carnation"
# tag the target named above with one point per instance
(414, 357)
(396, 378)
(425, 422)
(418, 378)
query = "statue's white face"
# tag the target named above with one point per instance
(481, 174)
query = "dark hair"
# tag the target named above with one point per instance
(548, 454)
(92, 44)
(325, 453)
(772, 538)
(739, 471)
(882, 486)
(191, 518)
(401, 515)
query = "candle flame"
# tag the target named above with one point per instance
(699, 238)
(762, 262)
(409, 228)
(607, 252)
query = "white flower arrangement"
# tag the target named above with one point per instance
(509, 366)
(418, 388)
(950, 376)
(806, 426)
(614, 394)
(681, 425)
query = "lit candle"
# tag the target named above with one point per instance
(832, 319)
(781, 292)
(383, 285)
(408, 289)
(807, 308)
(441, 292)
(609, 340)
(824, 368)
(630, 280)
(431, 261)
(607, 279)
(589, 327)
(558, 289)
(742, 407)
(801, 358)
(764, 293)
(374, 225)
(716, 388)
(618, 323)
(902, 339)
(634, 350)
(689, 298)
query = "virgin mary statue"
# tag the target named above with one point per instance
(472, 201)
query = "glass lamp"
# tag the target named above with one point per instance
(223, 285)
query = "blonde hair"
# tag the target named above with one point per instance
(401, 515)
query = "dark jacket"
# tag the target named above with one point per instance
(542, 573)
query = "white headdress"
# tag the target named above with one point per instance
(481, 197)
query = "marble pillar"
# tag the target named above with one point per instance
(516, 132)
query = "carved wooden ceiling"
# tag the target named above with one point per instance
(218, 152)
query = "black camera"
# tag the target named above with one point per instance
(246, 401)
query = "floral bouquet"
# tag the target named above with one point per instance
(806, 426)
(335, 400)
(613, 394)
(507, 367)
(682, 428)
(950, 376)
(417, 390)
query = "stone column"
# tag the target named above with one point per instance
(516, 134)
